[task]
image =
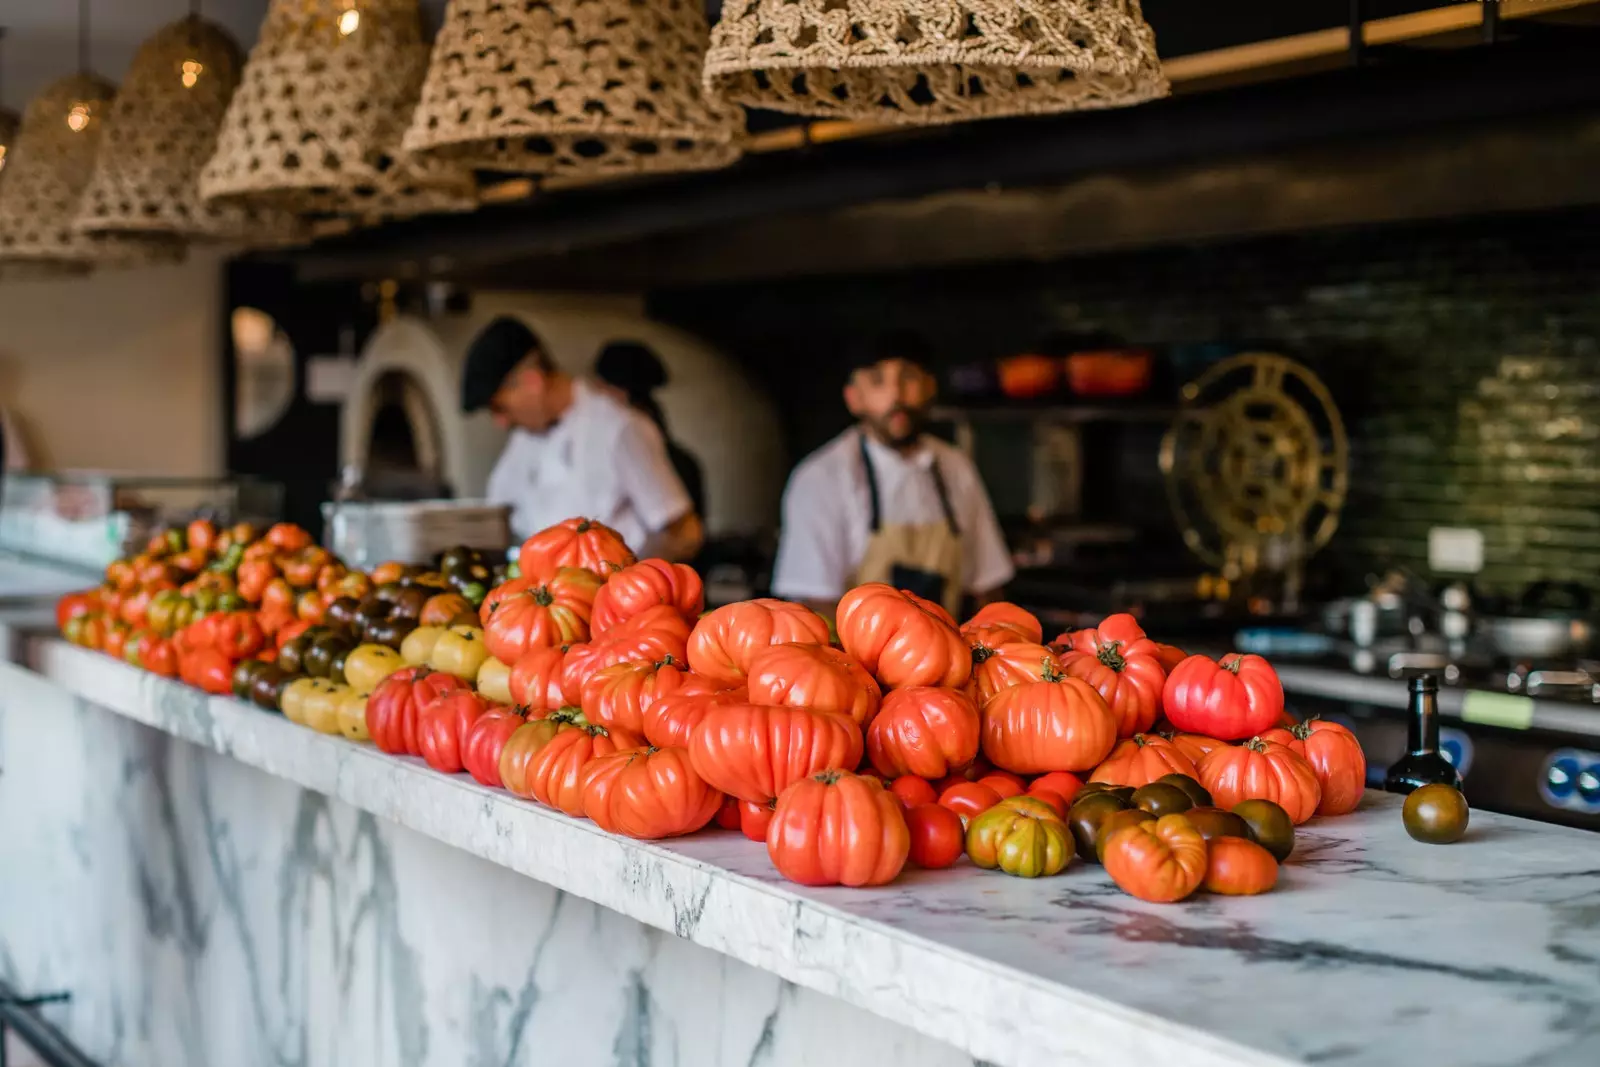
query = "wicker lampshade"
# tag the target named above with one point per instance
(316, 124)
(573, 87)
(46, 173)
(9, 121)
(161, 130)
(932, 61)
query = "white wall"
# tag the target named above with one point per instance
(119, 370)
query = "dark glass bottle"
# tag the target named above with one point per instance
(1423, 764)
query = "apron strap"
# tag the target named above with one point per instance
(876, 506)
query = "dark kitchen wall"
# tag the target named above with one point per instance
(1463, 356)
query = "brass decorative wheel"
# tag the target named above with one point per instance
(1256, 464)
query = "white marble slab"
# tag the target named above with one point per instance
(1374, 950)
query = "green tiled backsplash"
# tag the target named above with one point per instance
(1463, 356)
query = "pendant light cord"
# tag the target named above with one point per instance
(83, 36)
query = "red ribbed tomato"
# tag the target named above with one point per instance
(1141, 759)
(535, 681)
(574, 543)
(923, 731)
(727, 641)
(443, 724)
(754, 752)
(555, 773)
(1126, 672)
(651, 636)
(543, 615)
(670, 720)
(647, 584)
(1237, 867)
(620, 694)
(1003, 614)
(1159, 860)
(72, 605)
(1059, 724)
(1231, 699)
(1262, 770)
(1170, 656)
(648, 793)
(392, 707)
(526, 742)
(1000, 658)
(902, 639)
(837, 828)
(1335, 757)
(816, 677)
(486, 740)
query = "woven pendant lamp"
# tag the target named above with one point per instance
(573, 87)
(45, 176)
(932, 61)
(9, 123)
(316, 124)
(161, 130)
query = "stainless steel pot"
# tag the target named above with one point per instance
(1540, 630)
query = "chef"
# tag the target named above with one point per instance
(573, 449)
(885, 502)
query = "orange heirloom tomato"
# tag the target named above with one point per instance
(525, 742)
(923, 731)
(655, 634)
(311, 606)
(1195, 746)
(1060, 783)
(1335, 757)
(647, 793)
(287, 537)
(523, 615)
(756, 819)
(816, 677)
(72, 605)
(1160, 860)
(583, 543)
(901, 639)
(1000, 658)
(1002, 614)
(913, 791)
(754, 752)
(1021, 836)
(726, 642)
(237, 635)
(1236, 867)
(201, 535)
(1262, 770)
(1059, 724)
(1141, 759)
(253, 576)
(647, 584)
(536, 680)
(555, 773)
(838, 828)
(669, 720)
(1123, 668)
(277, 597)
(621, 694)
(1005, 783)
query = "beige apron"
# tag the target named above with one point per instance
(924, 558)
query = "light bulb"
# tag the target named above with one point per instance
(192, 69)
(2, 157)
(349, 21)
(78, 118)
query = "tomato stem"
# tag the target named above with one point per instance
(1111, 655)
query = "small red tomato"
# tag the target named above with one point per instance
(728, 815)
(1063, 783)
(1058, 803)
(967, 799)
(1004, 783)
(755, 818)
(913, 790)
(937, 836)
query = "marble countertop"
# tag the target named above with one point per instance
(1373, 950)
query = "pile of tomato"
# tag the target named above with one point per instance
(596, 684)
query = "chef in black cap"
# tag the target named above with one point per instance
(574, 449)
(886, 502)
(632, 373)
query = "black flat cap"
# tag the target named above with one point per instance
(503, 344)
(908, 345)
(632, 367)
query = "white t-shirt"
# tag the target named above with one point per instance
(827, 514)
(602, 461)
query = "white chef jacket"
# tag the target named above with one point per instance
(603, 461)
(827, 514)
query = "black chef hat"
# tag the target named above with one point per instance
(632, 367)
(493, 355)
(908, 345)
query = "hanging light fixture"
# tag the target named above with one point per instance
(9, 121)
(932, 61)
(50, 165)
(160, 132)
(316, 124)
(573, 87)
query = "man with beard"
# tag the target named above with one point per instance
(885, 502)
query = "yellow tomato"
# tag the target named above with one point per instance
(322, 707)
(494, 681)
(353, 716)
(295, 695)
(367, 665)
(459, 651)
(418, 645)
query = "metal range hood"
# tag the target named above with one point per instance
(1410, 132)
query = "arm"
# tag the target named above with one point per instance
(657, 494)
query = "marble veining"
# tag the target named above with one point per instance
(1375, 949)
